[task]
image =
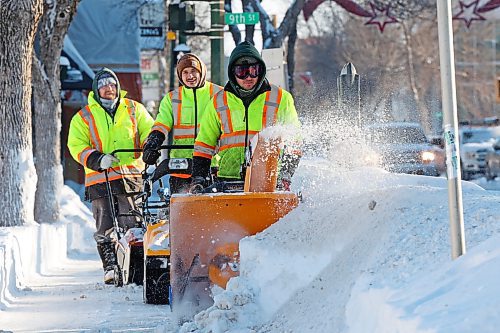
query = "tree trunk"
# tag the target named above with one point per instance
(47, 108)
(424, 119)
(18, 21)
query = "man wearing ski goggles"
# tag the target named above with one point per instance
(251, 103)
(247, 75)
(244, 71)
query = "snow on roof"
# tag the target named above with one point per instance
(71, 51)
(106, 33)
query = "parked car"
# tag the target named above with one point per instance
(402, 147)
(493, 161)
(476, 142)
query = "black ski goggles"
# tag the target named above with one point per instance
(244, 71)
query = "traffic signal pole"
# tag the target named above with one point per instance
(450, 123)
(217, 41)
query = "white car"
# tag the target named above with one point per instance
(476, 142)
(493, 161)
(402, 147)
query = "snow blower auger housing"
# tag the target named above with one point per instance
(206, 228)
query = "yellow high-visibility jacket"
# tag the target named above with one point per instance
(224, 124)
(176, 115)
(93, 129)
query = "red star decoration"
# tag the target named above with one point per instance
(468, 13)
(381, 17)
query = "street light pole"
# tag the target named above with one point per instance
(450, 123)
(217, 40)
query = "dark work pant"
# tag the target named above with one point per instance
(179, 185)
(104, 220)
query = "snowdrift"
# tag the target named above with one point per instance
(24, 257)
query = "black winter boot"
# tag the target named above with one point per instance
(108, 257)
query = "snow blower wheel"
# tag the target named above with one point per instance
(156, 280)
(118, 279)
(136, 266)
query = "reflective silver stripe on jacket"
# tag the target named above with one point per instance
(220, 104)
(184, 131)
(84, 155)
(176, 98)
(271, 105)
(187, 131)
(137, 138)
(214, 89)
(205, 150)
(231, 140)
(89, 119)
(273, 99)
(161, 128)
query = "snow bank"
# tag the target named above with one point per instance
(28, 252)
(350, 251)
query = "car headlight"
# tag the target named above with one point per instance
(372, 159)
(428, 156)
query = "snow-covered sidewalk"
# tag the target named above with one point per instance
(51, 281)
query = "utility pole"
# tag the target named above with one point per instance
(217, 40)
(450, 123)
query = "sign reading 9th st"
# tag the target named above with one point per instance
(249, 18)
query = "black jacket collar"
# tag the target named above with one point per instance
(249, 99)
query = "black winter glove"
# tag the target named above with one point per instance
(150, 151)
(201, 166)
(149, 156)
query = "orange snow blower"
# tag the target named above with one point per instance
(205, 229)
(143, 252)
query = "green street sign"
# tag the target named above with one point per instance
(241, 18)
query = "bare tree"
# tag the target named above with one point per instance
(273, 37)
(47, 107)
(18, 22)
(476, 73)
(403, 64)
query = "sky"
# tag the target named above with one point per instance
(366, 251)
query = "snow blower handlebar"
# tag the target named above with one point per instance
(170, 166)
(139, 150)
